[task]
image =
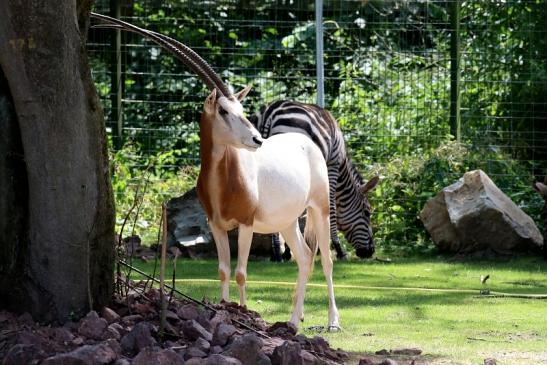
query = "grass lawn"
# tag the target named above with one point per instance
(386, 306)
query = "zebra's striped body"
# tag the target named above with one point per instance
(349, 206)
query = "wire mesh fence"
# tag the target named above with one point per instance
(390, 80)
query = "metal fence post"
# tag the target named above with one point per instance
(319, 52)
(116, 78)
(455, 123)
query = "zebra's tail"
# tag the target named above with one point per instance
(311, 238)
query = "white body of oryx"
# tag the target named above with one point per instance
(263, 186)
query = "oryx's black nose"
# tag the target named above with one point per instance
(257, 140)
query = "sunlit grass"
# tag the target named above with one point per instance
(383, 305)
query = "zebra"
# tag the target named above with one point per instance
(349, 206)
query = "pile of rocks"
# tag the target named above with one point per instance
(127, 333)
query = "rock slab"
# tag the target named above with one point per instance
(188, 229)
(474, 215)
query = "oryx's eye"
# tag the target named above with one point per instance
(222, 111)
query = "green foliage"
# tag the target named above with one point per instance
(385, 107)
(407, 183)
(141, 183)
(505, 79)
(387, 81)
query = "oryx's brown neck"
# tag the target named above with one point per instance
(221, 182)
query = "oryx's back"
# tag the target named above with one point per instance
(349, 206)
(293, 174)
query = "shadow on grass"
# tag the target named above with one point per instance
(355, 357)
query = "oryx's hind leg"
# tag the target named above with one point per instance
(322, 235)
(303, 257)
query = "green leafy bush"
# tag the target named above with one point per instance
(387, 81)
(141, 183)
(407, 183)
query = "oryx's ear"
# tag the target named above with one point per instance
(243, 93)
(211, 101)
(371, 184)
(541, 188)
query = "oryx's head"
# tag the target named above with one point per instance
(227, 121)
(223, 107)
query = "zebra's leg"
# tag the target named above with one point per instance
(276, 248)
(333, 170)
(340, 254)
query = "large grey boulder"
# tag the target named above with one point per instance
(474, 215)
(187, 227)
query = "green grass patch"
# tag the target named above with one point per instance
(431, 303)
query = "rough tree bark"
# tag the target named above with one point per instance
(56, 205)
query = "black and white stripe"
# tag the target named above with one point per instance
(349, 206)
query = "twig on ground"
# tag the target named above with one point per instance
(158, 239)
(476, 339)
(388, 260)
(137, 203)
(486, 340)
(163, 302)
(513, 296)
(120, 239)
(176, 254)
(136, 289)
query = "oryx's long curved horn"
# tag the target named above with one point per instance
(178, 49)
(181, 47)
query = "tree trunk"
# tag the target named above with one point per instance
(56, 204)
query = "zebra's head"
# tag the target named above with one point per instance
(364, 242)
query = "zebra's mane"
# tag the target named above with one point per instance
(355, 174)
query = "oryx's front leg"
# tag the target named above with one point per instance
(244, 239)
(223, 251)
